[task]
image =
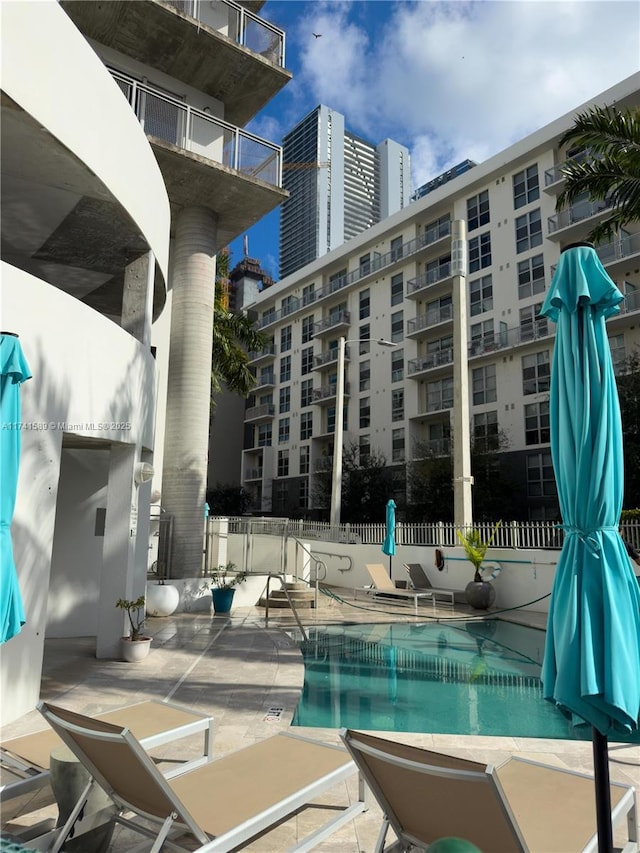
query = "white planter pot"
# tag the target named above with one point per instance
(135, 650)
(161, 599)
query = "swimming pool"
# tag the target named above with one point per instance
(473, 677)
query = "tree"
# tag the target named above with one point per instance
(612, 137)
(228, 499)
(629, 393)
(366, 485)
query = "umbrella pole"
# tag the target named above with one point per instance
(603, 792)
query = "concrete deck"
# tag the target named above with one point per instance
(238, 671)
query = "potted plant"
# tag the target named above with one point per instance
(479, 592)
(224, 580)
(136, 646)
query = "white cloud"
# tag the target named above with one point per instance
(461, 79)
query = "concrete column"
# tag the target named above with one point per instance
(184, 476)
(135, 297)
(462, 479)
(118, 578)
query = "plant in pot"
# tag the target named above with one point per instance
(479, 592)
(224, 581)
(136, 646)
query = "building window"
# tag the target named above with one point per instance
(285, 369)
(306, 393)
(365, 375)
(285, 338)
(440, 351)
(526, 187)
(279, 492)
(337, 280)
(478, 210)
(289, 304)
(437, 229)
(266, 376)
(364, 448)
(364, 265)
(397, 404)
(480, 295)
(268, 315)
(528, 231)
(531, 276)
(397, 365)
(480, 252)
(303, 494)
(307, 329)
(618, 353)
(540, 479)
(283, 463)
(285, 399)
(308, 294)
(304, 459)
(532, 325)
(536, 372)
(482, 337)
(365, 304)
(485, 431)
(439, 395)
(484, 385)
(264, 435)
(439, 441)
(397, 326)
(437, 269)
(331, 419)
(307, 360)
(364, 333)
(306, 425)
(396, 248)
(396, 289)
(536, 423)
(365, 412)
(397, 445)
(283, 430)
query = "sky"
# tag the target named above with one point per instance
(450, 80)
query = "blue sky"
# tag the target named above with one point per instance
(450, 80)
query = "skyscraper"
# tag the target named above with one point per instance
(339, 186)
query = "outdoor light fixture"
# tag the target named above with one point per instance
(142, 473)
(336, 480)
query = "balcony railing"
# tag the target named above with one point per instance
(266, 410)
(431, 318)
(429, 278)
(556, 173)
(340, 318)
(326, 392)
(329, 357)
(577, 213)
(171, 120)
(427, 362)
(619, 248)
(237, 23)
(259, 355)
(265, 380)
(253, 474)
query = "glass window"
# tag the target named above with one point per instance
(531, 276)
(283, 430)
(528, 231)
(480, 252)
(365, 412)
(480, 295)
(397, 365)
(365, 375)
(536, 372)
(306, 393)
(397, 445)
(364, 333)
(303, 494)
(365, 304)
(337, 280)
(307, 329)
(307, 360)
(484, 385)
(289, 304)
(396, 248)
(364, 448)
(536, 423)
(532, 325)
(397, 404)
(268, 315)
(283, 463)
(266, 376)
(285, 338)
(397, 326)
(540, 478)
(285, 399)
(304, 459)
(438, 228)
(285, 368)
(439, 440)
(618, 353)
(482, 337)
(485, 431)
(308, 294)
(365, 265)
(396, 289)
(478, 210)
(526, 187)
(439, 395)
(306, 425)
(264, 435)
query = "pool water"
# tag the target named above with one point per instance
(473, 677)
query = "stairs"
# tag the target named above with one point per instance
(302, 596)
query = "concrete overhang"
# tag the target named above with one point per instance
(159, 35)
(59, 222)
(237, 200)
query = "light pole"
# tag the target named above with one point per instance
(336, 479)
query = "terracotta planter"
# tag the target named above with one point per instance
(222, 600)
(480, 594)
(135, 650)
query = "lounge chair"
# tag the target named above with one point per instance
(154, 723)
(384, 586)
(420, 582)
(520, 806)
(222, 805)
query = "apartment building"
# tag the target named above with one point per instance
(339, 185)
(394, 282)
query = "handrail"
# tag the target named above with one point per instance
(283, 581)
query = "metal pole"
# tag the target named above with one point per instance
(462, 479)
(336, 479)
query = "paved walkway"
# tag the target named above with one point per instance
(239, 671)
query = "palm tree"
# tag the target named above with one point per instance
(612, 137)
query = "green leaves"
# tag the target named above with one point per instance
(475, 547)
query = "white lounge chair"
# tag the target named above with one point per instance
(384, 586)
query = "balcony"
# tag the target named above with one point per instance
(435, 317)
(329, 358)
(336, 324)
(416, 287)
(218, 47)
(615, 255)
(266, 354)
(575, 222)
(554, 177)
(417, 367)
(265, 381)
(327, 394)
(260, 414)
(253, 474)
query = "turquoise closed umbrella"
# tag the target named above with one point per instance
(389, 544)
(14, 370)
(591, 666)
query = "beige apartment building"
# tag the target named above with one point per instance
(394, 282)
